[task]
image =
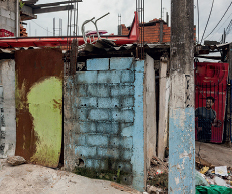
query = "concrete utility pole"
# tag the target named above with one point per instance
(182, 114)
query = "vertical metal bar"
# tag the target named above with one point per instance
(74, 20)
(230, 109)
(17, 19)
(161, 8)
(215, 103)
(54, 26)
(77, 33)
(221, 135)
(61, 27)
(218, 106)
(143, 27)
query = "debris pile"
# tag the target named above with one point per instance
(219, 175)
(157, 179)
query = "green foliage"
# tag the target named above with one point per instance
(21, 4)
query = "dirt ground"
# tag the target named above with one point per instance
(34, 179)
(216, 154)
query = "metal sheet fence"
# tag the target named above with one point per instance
(210, 105)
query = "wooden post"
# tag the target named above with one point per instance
(73, 57)
(162, 129)
(182, 113)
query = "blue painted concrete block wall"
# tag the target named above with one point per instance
(104, 118)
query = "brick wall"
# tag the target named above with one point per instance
(103, 121)
(152, 32)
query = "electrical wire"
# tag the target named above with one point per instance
(41, 27)
(224, 22)
(219, 21)
(207, 20)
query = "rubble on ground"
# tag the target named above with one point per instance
(207, 178)
(157, 179)
(16, 160)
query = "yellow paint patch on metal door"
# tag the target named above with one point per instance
(45, 102)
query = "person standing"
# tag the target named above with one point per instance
(206, 118)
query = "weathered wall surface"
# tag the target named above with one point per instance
(7, 15)
(7, 108)
(150, 129)
(103, 118)
(39, 76)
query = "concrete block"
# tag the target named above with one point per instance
(80, 114)
(107, 128)
(84, 127)
(98, 90)
(109, 76)
(127, 76)
(86, 77)
(10, 23)
(122, 142)
(79, 91)
(4, 13)
(123, 166)
(86, 152)
(119, 63)
(98, 114)
(126, 154)
(127, 102)
(108, 102)
(98, 64)
(85, 102)
(79, 140)
(12, 15)
(97, 164)
(108, 153)
(123, 115)
(97, 140)
(6, 27)
(127, 131)
(139, 66)
(122, 90)
(2, 21)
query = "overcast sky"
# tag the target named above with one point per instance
(97, 8)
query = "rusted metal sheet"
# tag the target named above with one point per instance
(39, 75)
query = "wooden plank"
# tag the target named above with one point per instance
(162, 127)
(150, 110)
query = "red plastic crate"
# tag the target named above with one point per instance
(5, 33)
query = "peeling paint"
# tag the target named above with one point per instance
(44, 101)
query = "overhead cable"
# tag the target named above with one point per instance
(207, 20)
(219, 20)
(41, 27)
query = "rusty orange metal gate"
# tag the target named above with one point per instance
(39, 75)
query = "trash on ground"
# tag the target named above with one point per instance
(221, 170)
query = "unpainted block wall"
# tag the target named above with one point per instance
(103, 118)
(8, 15)
(7, 108)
